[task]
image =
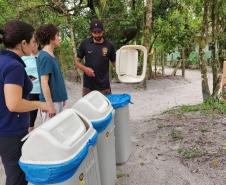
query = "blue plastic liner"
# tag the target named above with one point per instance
(119, 100)
(102, 124)
(42, 174)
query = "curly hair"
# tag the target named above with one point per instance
(46, 33)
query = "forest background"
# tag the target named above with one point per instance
(180, 33)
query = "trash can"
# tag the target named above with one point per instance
(98, 109)
(120, 103)
(127, 63)
(62, 152)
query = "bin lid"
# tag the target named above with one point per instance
(119, 100)
(58, 139)
(54, 151)
(95, 106)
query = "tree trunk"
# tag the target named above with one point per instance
(215, 61)
(163, 62)
(203, 67)
(176, 68)
(224, 82)
(78, 77)
(203, 64)
(183, 63)
(147, 33)
(150, 66)
(156, 61)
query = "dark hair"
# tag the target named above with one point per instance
(14, 32)
(36, 40)
(46, 33)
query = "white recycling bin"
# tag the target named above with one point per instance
(62, 152)
(120, 103)
(127, 63)
(97, 108)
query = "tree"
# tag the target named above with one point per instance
(212, 14)
(147, 34)
(202, 43)
(215, 62)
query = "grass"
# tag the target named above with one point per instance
(119, 175)
(161, 126)
(190, 153)
(138, 87)
(204, 128)
(176, 135)
(207, 107)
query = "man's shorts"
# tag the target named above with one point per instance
(87, 90)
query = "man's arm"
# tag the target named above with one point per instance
(87, 70)
(47, 94)
(113, 64)
(113, 55)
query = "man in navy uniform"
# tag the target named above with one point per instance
(98, 53)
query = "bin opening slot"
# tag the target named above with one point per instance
(69, 128)
(98, 103)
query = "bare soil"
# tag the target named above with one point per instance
(177, 149)
(172, 148)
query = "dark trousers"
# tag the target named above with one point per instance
(87, 90)
(33, 114)
(10, 152)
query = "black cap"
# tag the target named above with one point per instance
(96, 25)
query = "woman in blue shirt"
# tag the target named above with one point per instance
(31, 69)
(15, 86)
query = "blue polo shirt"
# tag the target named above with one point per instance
(48, 65)
(12, 72)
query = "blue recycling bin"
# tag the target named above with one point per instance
(123, 146)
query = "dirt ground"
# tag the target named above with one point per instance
(161, 143)
(177, 149)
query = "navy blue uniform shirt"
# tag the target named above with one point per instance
(97, 57)
(12, 71)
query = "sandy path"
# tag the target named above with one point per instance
(160, 95)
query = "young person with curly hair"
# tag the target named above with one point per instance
(53, 90)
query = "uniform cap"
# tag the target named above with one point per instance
(96, 25)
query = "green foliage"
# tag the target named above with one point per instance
(210, 106)
(175, 23)
(176, 134)
(120, 175)
(7, 11)
(122, 23)
(190, 153)
(65, 54)
(193, 58)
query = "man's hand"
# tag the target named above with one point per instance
(89, 72)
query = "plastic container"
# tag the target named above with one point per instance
(127, 63)
(97, 108)
(120, 103)
(62, 151)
